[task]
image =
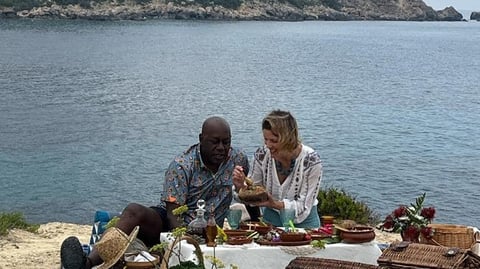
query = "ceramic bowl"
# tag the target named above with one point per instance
(358, 234)
(256, 226)
(292, 237)
(231, 233)
(239, 240)
(253, 194)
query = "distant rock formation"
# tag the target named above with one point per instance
(475, 16)
(8, 13)
(449, 14)
(392, 10)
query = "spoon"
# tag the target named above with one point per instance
(341, 228)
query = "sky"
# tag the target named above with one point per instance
(473, 5)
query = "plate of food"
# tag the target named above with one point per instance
(239, 240)
(318, 234)
(265, 242)
(238, 232)
(260, 227)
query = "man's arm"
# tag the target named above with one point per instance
(174, 192)
(172, 219)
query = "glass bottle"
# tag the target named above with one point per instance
(211, 231)
(198, 226)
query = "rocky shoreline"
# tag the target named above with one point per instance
(388, 10)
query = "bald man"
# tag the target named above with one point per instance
(203, 171)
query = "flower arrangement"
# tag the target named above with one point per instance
(411, 221)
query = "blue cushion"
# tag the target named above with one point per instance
(100, 220)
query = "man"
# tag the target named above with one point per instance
(204, 171)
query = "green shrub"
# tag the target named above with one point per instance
(334, 4)
(232, 4)
(82, 3)
(21, 4)
(13, 220)
(338, 203)
(297, 3)
(142, 2)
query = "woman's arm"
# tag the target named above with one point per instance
(257, 167)
(309, 187)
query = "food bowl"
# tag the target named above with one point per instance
(253, 194)
(239, 240)
(143, 265)
(292, 236)
(261, 228)
(358, 234)
(231, 233)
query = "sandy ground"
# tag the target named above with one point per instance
(24, 250)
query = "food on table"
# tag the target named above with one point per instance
(260, 227)
(293, 236)
(239, 240)
(252, 193)
(357, 234)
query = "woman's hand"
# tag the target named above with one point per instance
(238, 177)
(271, 203)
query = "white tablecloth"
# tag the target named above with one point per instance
(277, 257)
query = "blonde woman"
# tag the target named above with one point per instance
(290, 172)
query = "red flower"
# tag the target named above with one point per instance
(399, 212)
(427, 232)
(410, 220)
(428, 213)
(411, 230)
(388, 223)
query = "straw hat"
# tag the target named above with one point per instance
(112, 245)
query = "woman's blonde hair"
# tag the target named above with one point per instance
(282, 124)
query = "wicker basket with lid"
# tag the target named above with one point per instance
(315, 263)
(419, 256)
(450, 235)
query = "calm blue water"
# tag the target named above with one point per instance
(91, 113)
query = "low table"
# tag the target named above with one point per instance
(275, 257)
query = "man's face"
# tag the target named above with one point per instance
(215, 144)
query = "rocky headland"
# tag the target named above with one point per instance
(340, 10)
(475, 16)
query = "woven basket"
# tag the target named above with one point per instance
(416, 256)
(449, 235)
(314, 263)
(143, 265)
(177, 240)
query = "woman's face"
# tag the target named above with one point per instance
(272, 142)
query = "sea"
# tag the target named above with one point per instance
(92, 112)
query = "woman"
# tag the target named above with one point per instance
(290, 172)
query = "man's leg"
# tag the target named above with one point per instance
(150, 220)
(151, 225)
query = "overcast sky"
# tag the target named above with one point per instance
(457, 4)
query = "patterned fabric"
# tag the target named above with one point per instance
(187, 180)
(300, 188)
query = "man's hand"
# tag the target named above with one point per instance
(238, 178)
